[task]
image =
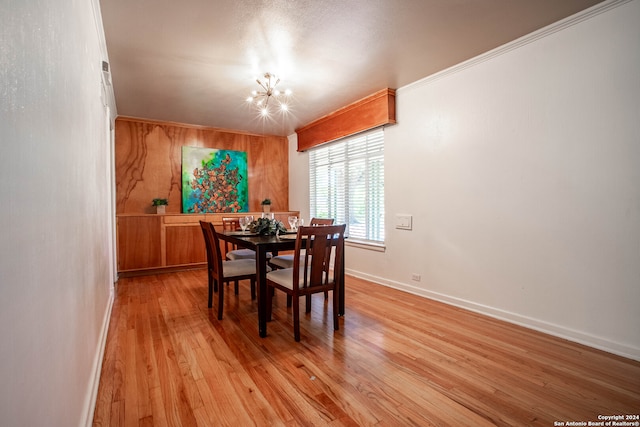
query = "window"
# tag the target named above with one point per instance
(347, 183)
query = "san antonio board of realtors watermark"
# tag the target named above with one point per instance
(605, 421)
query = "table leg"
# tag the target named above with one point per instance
(261, 268)
(341, 288)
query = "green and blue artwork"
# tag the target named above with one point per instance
(214, 180)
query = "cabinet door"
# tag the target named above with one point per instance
(139, 244)
(185, 244)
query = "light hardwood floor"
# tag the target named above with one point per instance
(397, 360)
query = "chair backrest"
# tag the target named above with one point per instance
(230, 224)
(212, 243)
(321, 221)
(207, 241)
(313, 253)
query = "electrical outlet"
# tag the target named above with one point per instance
(415, 277)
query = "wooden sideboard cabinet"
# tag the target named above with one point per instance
(152, 243)
(139, 242)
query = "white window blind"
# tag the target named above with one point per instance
(347, 183)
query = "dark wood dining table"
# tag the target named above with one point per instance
(263, 245)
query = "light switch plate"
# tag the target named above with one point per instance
(403, 222)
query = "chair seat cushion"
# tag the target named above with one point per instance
(241, 254)
(244, 254)
(282, 261)
(284, 277)
(240, 267)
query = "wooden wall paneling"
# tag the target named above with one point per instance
(258, 188)
(149, 163)
(178, 137)
(143, 168)
(270, 173)
(139, 244)
(148, 157)
(276, 165)
(130, 156)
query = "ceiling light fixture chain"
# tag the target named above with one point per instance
(260, 98)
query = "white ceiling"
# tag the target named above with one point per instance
(195, 61)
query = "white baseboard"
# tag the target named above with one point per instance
(90, 403)
(527, 322)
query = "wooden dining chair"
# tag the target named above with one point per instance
(286, 260)
(231, 251)
(311, 272)
(224, 271)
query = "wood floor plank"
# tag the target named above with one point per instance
(157, 405)
(130, 379)
(398, 359)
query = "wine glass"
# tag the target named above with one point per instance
(293, 222)
(243, 223)
(300, 223)
(249, 220)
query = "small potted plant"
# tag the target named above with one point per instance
(160, 204)
(266, 205)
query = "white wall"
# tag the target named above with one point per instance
(55, 260)
(521, 169)
(298, 179)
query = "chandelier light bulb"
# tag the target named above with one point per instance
(284, 107)
(264, 112)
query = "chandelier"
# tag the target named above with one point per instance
(260, 98)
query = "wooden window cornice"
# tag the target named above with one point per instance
(372, 111)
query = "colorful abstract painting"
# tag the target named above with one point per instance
(214, 180)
